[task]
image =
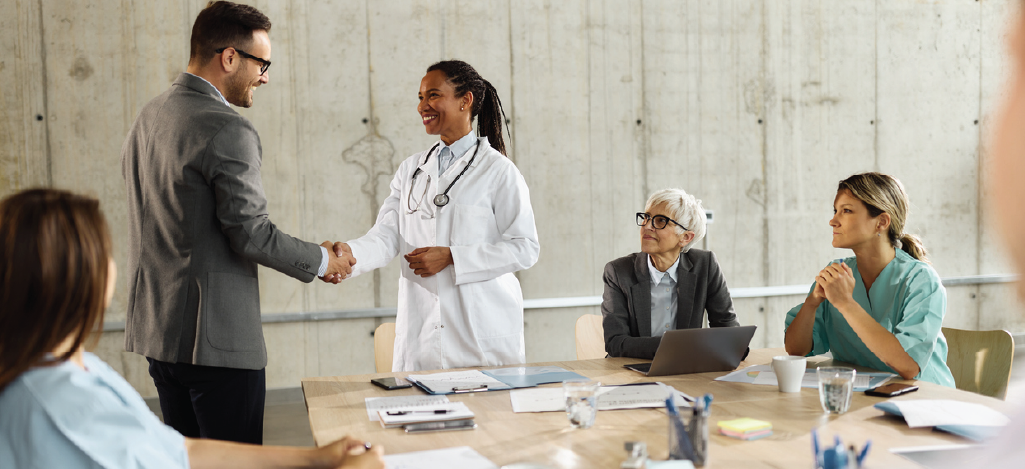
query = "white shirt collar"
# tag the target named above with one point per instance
(219, 95)
(460, 146)
(656, 276)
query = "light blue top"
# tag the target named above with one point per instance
(663, 298)
(65, 417)
(449, 153)
(908, 300)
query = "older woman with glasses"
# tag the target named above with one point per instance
(667, 285)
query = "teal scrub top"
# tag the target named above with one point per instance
(908, 300)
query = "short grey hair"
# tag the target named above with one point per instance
(683, 208)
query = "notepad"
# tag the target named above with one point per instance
(492, 380)
(398, 417)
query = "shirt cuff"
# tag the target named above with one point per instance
(323, 262)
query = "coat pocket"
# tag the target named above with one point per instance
(231, 312)
(472, 224)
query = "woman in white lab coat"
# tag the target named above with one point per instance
(460, 215)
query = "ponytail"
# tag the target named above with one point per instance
(487, 107)
(491, 117)
(913, 246)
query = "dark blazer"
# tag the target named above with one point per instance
(626, 303)
(197, 228)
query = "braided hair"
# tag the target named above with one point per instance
(487, 107)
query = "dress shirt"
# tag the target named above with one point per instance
(323, 250)
(449, 153)
(663, 298)
(62, 416)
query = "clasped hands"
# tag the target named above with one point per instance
(834, 283)
(340, 266)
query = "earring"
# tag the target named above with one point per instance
(462, 108)
(878, 234)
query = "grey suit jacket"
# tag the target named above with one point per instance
(626, 303)
(197, 228)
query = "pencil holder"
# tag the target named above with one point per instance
(688, 437)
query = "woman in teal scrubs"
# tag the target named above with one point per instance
(882, 308)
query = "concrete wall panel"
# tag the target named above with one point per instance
(23, 115)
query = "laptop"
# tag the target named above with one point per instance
(702, 350)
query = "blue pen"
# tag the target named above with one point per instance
(864, 452)
(815, 444)
(682, 437)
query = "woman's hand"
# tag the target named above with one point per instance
(836, 283)
(426, 262)
(351, 453)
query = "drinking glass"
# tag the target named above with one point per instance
(836, 385)
(581, 402)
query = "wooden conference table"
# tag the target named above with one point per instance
(336, 408)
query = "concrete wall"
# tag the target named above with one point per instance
(756, 106)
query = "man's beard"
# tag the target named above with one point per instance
(237, 90)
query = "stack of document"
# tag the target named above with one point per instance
(763, 374)
(491, 380)
(745, 428)
(444, 412)
(629, 396)
(973, 421)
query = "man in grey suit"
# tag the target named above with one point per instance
(198, 227)
(667, 285)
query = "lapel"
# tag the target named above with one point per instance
(685, 285)
(640, 295)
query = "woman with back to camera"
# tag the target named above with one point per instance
(63, 407)
(460, 213)
(666, 286)
(882, 308)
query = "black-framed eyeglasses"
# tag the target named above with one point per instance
(264, 64)
(657, 222)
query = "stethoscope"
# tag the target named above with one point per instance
(442, 199)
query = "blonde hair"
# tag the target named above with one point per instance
(685, 209)
(883, 193)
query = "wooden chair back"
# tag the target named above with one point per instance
(590, 337)
(980, 360)
(384, 347)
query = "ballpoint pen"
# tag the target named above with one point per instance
(864, 452)
(682, 437)
(407, 412)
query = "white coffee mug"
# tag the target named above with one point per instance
(789, 372)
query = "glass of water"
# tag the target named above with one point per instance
(836, 386)
(581, 402)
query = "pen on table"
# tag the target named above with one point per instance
(864, 452)
(406, 412)
(815, 444)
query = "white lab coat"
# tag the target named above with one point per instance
(470, 313)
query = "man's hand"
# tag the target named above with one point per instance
(340, 266)
(426, 262)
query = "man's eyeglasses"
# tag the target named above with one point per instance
(657, 222)
(264, 64)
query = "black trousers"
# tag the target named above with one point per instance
(210, 401)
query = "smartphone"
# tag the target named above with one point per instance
(391, 383)
(440, 426)
(892, 389)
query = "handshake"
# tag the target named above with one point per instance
(340, 265)
(424, 262)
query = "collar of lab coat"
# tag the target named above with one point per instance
(480, 149)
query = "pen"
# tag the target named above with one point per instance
(815, 444)
(864, 452)
(458, 389)
(406, 412)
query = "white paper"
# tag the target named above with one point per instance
(933, 412)
(443, 382)
(463, 457)
(810, 380)
(609, 398)
(375, 404)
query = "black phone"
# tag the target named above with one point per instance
(892, 389)
(391, 383)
